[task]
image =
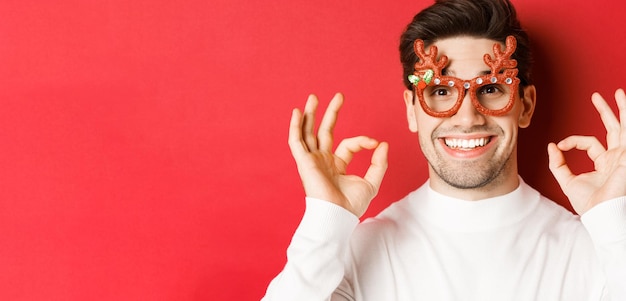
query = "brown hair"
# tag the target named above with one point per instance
(491, 19)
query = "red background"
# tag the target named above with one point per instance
(144, 152)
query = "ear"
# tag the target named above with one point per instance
(410, 110)
(528, 106)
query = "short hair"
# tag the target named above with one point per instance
(491, 19)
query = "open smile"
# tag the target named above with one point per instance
(468, 144)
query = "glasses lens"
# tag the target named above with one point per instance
(493, 96)
(441, 98)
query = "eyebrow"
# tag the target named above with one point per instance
(448, 72)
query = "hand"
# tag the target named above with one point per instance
(323, 173)
(608, 180)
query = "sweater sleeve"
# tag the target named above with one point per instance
(606, 224)
(315, 256)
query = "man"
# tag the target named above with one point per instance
(474, 230)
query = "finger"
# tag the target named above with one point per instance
(620, 99)
(609, 120)
(590, 144)
(558, 166)
(296, 145)
(348, 147)
(325, 133)
(308, 123)
(378, 166)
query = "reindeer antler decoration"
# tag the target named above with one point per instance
(427, 66)
(429, 60)
(502, 60)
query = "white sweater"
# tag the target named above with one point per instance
(427, 246)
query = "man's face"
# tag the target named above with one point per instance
(471, 155)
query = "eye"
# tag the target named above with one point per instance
(440, 91)
(490, 89)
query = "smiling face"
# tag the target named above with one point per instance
(471, 156)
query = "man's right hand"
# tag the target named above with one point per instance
(323, 172)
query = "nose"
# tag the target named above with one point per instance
(467, 115)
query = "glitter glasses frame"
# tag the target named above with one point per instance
(428, 73)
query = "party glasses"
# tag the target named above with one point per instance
(441, 96)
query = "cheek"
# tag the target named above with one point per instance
(510, 130)
(426, 124)
(426, 145)
(426, 127)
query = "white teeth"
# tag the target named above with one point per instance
(466, 143)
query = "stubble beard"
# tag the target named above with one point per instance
(470, 175)
(475, 174)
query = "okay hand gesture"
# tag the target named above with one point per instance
(323, 173)
(608, 180)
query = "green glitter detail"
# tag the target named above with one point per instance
(428, 76)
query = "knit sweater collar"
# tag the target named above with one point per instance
(473, 216)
